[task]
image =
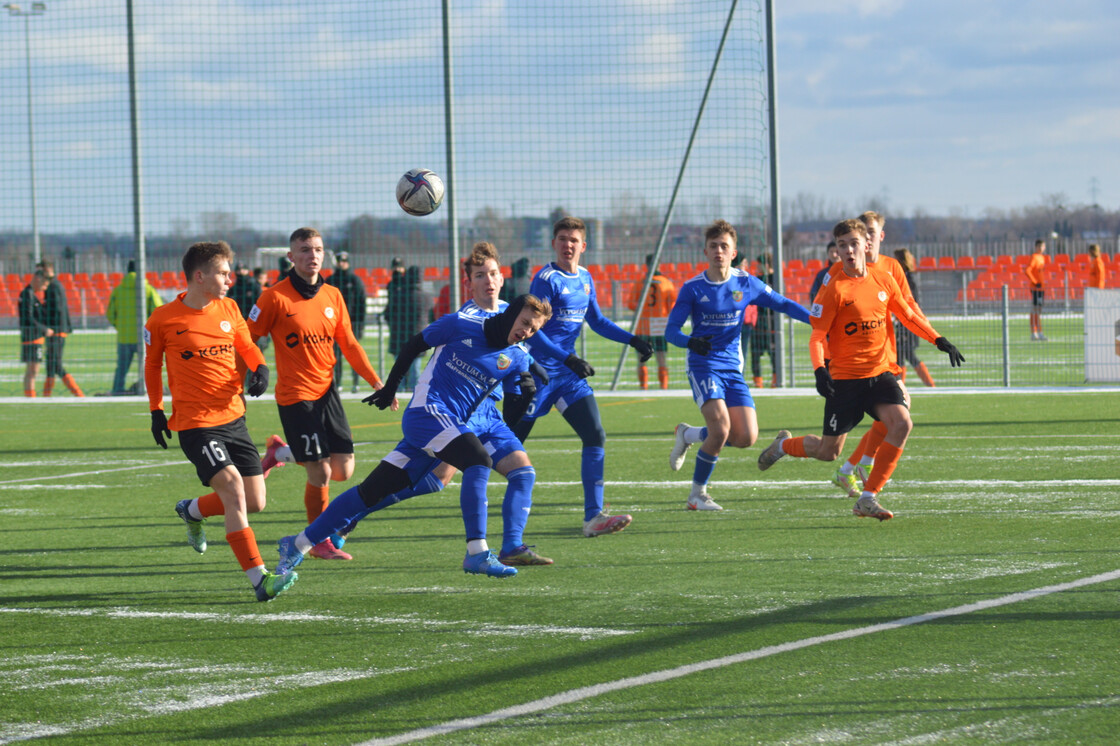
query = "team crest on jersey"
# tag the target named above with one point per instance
(816, 310)
(226, 326)
(882, 296)
(255, 313)
(587, 288)
(503, 361)
(328, 312)
(737, 295)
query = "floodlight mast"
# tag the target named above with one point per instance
(36, 9)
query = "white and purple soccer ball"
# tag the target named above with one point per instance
(420, 192)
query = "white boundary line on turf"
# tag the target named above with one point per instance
(91, 473)
(588, 692)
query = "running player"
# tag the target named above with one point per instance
(714, 301)
(201, 333)
(651, 327)
(306, 318)
(853, 312)
(570, 291)
(473, 356)
(484, 282)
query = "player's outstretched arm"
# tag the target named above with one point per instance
(385, 396)
(955, 356)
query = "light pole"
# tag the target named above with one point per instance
(37, 9)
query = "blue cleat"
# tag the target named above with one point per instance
(196, 535)
(485, 563)
(273, 584)
(290, 556)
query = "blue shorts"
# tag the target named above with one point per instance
(719, 384)
(564, 389)
(427, 432)
(495, 434)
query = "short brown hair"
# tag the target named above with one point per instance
(718, 228)
(1039, 242)
(851, 225)
(569, 223)
(302, 234)
(541, 307)
(202, 254)
(1094, 250)
(871, 216)
(480, 252)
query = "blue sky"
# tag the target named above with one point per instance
(948, 105)
(286, 112)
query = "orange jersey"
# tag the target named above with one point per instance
(201, 346)
(1096, 272)
(659, 302)
(854, 315)
(892, 267)
(1034, 268)
(304, 332)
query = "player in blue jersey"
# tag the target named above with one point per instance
(472, 357)
(484, 280)
(570, 291)
(714, 301)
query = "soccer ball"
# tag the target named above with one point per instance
(420, 192)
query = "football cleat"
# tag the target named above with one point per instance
(272, 585)
(485, 563)
(326, 550)
(864, 472)
(773, 452)
(269, 462)
(846, 482)
(196, 534)
(522, 556)
(605, 524)
(869, 507)
(680, 448)
(290, 556)
(702, 501)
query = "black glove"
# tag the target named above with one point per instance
(257, 382)
(382, 398)
(825, 385)
(642, 347)
(160, 428)
(579, 366)
(527, 385)
(700, 345)
(538, 370)
(955, 356)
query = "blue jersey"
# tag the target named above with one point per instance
(716, 309)
(572, 296)
(463, 370)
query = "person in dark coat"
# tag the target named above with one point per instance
(56, 315)
(405, 315)
(354, 296)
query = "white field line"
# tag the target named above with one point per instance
(91, 473)
(473, 627)
(587, 692)
(787, 483)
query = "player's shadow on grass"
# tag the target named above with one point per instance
(603, 660)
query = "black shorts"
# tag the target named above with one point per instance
(316, 429)
(857, 397)
(212, 449)
(1037, 297)
(31, 353)
(657, 342)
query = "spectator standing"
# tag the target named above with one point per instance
(121, 313)
(762, 340)
(833, 257)
(245, 290)
(651, 327)
(56, 315)
(1097, 272)
(32, 330)
(519, 280)
(354, 296)
(405, 315)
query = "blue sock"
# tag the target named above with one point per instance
(516, 505)
(705, 463)
(345, 508)
(428, 484)
(472, 501)
(591, 474)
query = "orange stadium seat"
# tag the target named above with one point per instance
(966, 262)
(946, 262)
(927, 262)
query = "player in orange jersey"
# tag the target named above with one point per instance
(651, 327)
(1096, 267)
(853, 311)
(201, 333)
(863, 457)
(1035, 270)
(306, 318)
